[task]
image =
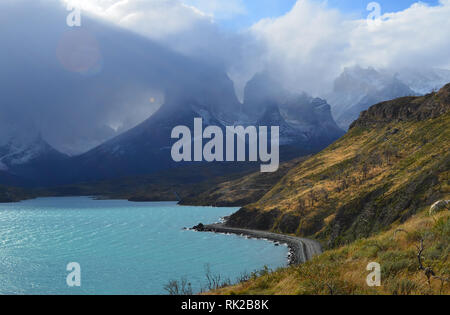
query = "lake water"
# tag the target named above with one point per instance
(122, 247)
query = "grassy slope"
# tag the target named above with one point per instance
(373, 177)
(366, 198)
(240, 191)
(343, 270)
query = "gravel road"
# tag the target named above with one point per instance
(302, 249)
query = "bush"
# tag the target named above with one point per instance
(403, 287)
(394, 262)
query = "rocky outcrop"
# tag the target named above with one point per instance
(252, 219)
(289, 223)
(199, 227)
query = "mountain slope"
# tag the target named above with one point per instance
(29, 161)
(356, 89)
(343, 271)
(303, 120)
(306, 126)
(393, 162)
(239, 191)
(423, 81)
(82, 86)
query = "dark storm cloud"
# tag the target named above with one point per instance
(80, 86)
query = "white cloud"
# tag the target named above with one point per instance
(188, 27)
(219, 9)
(306, 48)
(180, 24)
(155, 19)
(311, 44)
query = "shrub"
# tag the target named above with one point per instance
(403, 287)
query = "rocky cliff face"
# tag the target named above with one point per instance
(407, 108)
(304, 121)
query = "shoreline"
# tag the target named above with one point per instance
(301, 249)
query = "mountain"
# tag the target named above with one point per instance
(118, 95)
(423, 81)
(306, 126)
(74, 84)
(142, 150)
(304, 121)
(82, 86)
(393, 163)
(356, 89)
(28, 160)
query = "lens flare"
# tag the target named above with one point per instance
(78, 51)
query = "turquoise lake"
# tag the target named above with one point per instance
(122, 247)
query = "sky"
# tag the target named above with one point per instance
(244, 13)
(304, 44)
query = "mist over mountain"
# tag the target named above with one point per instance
(72, 89)
(305, 118)
(423, 81)
(357, 88)
(109, 97)
(82, 86)
(306, 126)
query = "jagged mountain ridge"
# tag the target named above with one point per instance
(129, 69)
(146, 148)
(30, 162)
(356, 89)
(393, 162)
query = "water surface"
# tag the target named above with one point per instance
(122, 247)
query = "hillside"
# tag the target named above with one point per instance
(393, 162)
(14, 194)
(343, 270)
(232, 192)
(380, 194)
(243, 184)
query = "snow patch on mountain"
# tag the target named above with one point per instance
(18, 152)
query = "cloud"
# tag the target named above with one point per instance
(188, 27)
(219, 9)
(81, 86)
(309, 46)
(415, 37)
(305, 48)
(155, 19)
